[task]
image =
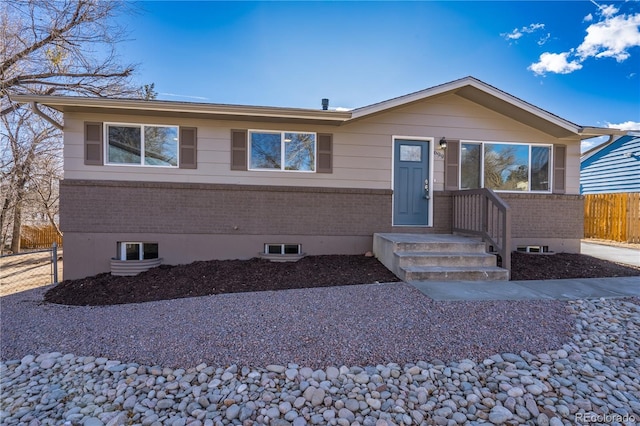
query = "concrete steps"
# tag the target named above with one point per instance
(436, 257)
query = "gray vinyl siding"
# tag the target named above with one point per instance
(362, 149)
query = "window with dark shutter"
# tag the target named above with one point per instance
(325, 153)
(188, 148)
(93, 144)
(452, 161)
(559, 168)
(238, 150)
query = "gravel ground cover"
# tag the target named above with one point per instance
(593, 378)
(377, 354)
(349, 325)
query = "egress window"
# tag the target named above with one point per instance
(505, 166)
(137, 251)
(285, 151)
(143, 145)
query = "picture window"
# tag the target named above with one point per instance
(505, 166)
(284, 151)
(142, 145)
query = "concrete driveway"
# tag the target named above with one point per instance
(624, 255)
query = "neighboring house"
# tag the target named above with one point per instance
(190, 181)
(612, 167)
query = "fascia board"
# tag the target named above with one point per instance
(406, 99)
(453, 87)
(591, 132)
(62, 102)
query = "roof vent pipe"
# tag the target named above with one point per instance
(325, 104)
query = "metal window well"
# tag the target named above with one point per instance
(133, 267)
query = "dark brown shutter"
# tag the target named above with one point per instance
(325, 153)
(559, 168)
(452, 165)
(188, 148)
(238, 150)
(93, 144)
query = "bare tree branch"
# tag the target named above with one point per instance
(49, 46)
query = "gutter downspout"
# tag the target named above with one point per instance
(34, 107)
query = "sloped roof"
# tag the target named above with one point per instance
(468, 88)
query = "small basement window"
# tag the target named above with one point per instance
(137, 251)
(533, 249)
(282, 249)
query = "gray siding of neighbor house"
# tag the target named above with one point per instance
(213, 212)
(615, 168)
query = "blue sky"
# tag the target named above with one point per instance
(577, 59)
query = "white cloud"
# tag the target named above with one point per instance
(556, 63)
(342, 109)
(627, 125)
(518, 33)
(608, 10)
(544, 39)
(176, 95)
(513, 35)
(611, 37)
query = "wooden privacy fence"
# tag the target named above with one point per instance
(612, 216)
(39, 237)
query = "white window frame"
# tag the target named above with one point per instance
(122, 245)
(142, 147)
(282, 150)
(529, 144)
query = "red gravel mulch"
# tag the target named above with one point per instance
(233, 276)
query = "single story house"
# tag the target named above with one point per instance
(192, 181)
(612, 167)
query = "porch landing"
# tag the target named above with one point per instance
(436, 257)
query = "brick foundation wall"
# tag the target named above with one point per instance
(140, 207)
(546, 215)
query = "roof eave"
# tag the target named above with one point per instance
(66, 103)
(485, 95)
(592, 132)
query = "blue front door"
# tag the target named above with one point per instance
(411, 183)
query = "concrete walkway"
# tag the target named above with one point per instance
(624, 255)
(571, 289)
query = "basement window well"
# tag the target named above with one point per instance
(282, 252)
(133, 258)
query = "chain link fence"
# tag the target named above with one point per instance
(24, 271)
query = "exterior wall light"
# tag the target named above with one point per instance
(443, 143)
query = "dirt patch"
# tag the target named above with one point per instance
(234, 276)
(26, 271)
